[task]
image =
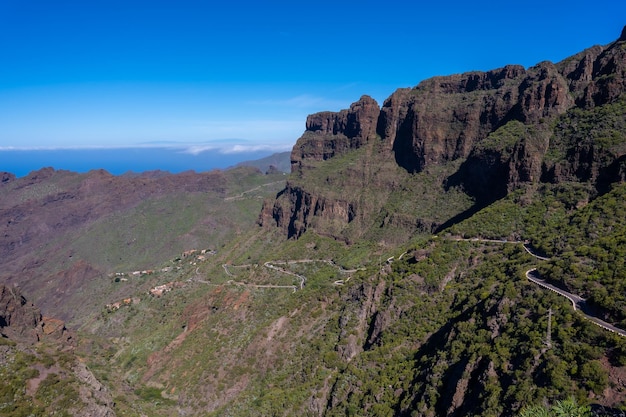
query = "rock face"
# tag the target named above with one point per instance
(96, 397)
(329, 134)
(22, 323)
(301, 207)
(21, 320)
(6, 177)
(18, 317)
(450, 118)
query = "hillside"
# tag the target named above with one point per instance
(277, 162)
(40, 373)
(390, 274)
(65, 233)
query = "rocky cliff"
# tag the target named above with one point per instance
(21, 320)
(17, 316)
(330, 134)
(489, 131)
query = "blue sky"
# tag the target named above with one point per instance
(206, 73)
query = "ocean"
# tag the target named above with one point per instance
(120, 161)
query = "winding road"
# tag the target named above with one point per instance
(274, 266)
(578, 303)
(270, 265)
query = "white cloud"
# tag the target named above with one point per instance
(236, 148)
(224, 146)
(256, 148)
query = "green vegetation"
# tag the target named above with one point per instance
(603, 127)
(591, 249)
(446, 326)
(565, 408)
(586, 240)
(506, 137)
(452, 319)
(55, 394)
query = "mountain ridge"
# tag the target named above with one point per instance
(448, 118)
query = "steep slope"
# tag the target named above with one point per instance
(40, 373)
(366, 312)
(505, 127)
(445, 327)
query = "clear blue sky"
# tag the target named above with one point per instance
(118, 73)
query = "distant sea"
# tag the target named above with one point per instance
(120, 161)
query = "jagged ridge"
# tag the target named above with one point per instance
(446, 119)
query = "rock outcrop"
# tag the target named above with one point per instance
(450, 118)
(6, 177)
(302, 206)
(22, 323)
(18, 317)
(21, 320)
(96, 397)
(330, 134)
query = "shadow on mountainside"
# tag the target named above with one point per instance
(464, 215)
(483, 180)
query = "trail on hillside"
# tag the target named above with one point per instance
(251, 190)
(276, 266)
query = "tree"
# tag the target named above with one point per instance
(565, 408)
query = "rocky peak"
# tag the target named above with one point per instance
(333, 133)
(357, 122)
(579, 69)
(6, 177)
(544, 92)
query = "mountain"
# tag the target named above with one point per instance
(278, 161)
(483, 133)
(458, 251)
(64, 232)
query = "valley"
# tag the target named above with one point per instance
(411, 264)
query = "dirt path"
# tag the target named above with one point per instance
(274, 265)
(242, 194)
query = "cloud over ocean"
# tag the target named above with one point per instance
(120, 160)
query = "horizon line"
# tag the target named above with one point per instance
(190, 148)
